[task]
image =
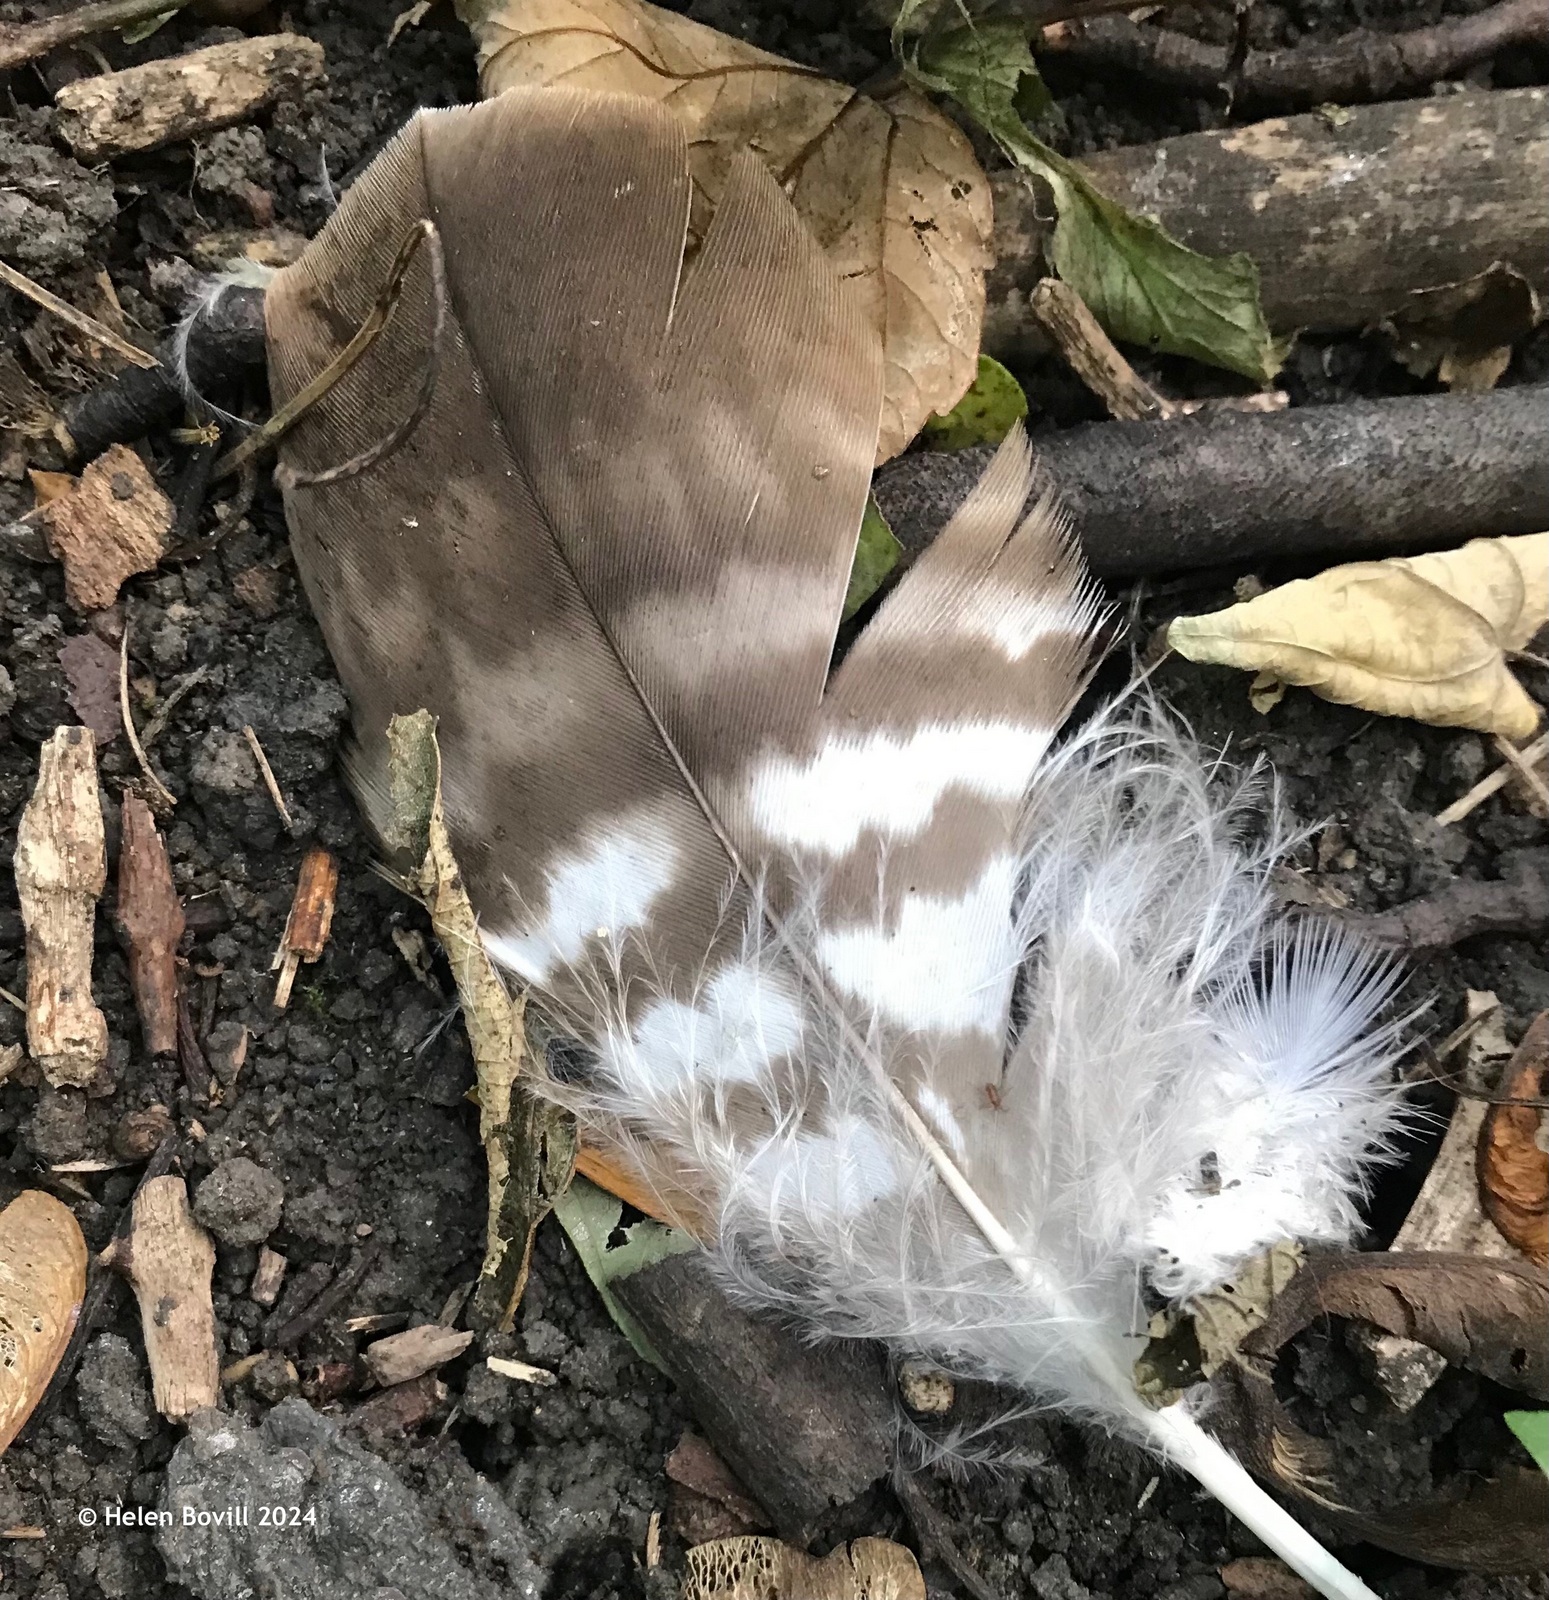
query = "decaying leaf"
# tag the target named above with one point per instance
(110, 525)
(876, 554)
(1464, 332)
(1513, 1161)
(42, 1285)
(91, 670)
(1491, 1317)
(1420, 636)
(590, 1216)
(529, 1145)
(985, 415)
(756, 1568)
(889, 186)
(1140, 283)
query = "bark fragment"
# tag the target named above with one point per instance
(150, 921)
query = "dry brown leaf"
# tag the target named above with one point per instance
(107, 526)
(754, 1568)
(889, 186)
(1513, 1162)
(91, 670)
(42, 1284)
(1423, 637)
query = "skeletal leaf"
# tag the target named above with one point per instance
(758, 1568)
(1140, 283)
(888, 185)
(42, 1285)
(1423, 637)
(985, 415)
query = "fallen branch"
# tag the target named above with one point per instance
(61, 870)
(1093, 356)
(185, 96)
(169, 1261)
(1365, 478)
(150, 922)
(1363, 65)
(809, 1430)
(1347, 217)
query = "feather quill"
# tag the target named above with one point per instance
(944, 1023)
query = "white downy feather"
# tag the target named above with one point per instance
(1195, 1077)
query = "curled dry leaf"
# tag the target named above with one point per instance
(754, 1568)
(888, 185)
(1491, 1317)
(1423, 636)
(42, 1285)
(1513, 1163)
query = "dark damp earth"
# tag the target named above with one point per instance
(353, 1100)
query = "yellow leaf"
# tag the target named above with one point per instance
(758, 1568)
(1423, 637)
(888, 186)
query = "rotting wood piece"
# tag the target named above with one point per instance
(42, 1287)
(61, 869)
(307, 926)
(150, 921)
(112, 524)
(1092, 355)
(169, 1261)
(809, 1431)
(182, 97)
(1356, 479)
(401, 1357)
(1346, 217)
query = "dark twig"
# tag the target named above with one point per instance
(23, 42)
(332, 1298)
(1359, 66)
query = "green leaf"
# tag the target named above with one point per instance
(985, 415)
(1140, 283)
(590, 1215)
(136, 31)
(1532, 1428)
(876, 554)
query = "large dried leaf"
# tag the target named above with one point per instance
(889, 186)
(756, 1568)
(42, 1285)
(1513, 1164)
(1141, 284)
(1422, 637)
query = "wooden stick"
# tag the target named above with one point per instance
(150, 922)
(311, 916)
(1093, 356)
(1530, 755)
(61, 870)
(97, 332)
(20, 43)
(169, 1260)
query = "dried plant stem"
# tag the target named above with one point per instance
(1093, 356)
(163, 793)
(97, 332)
(1530, 756)
(271, 783)
(1520, 764)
